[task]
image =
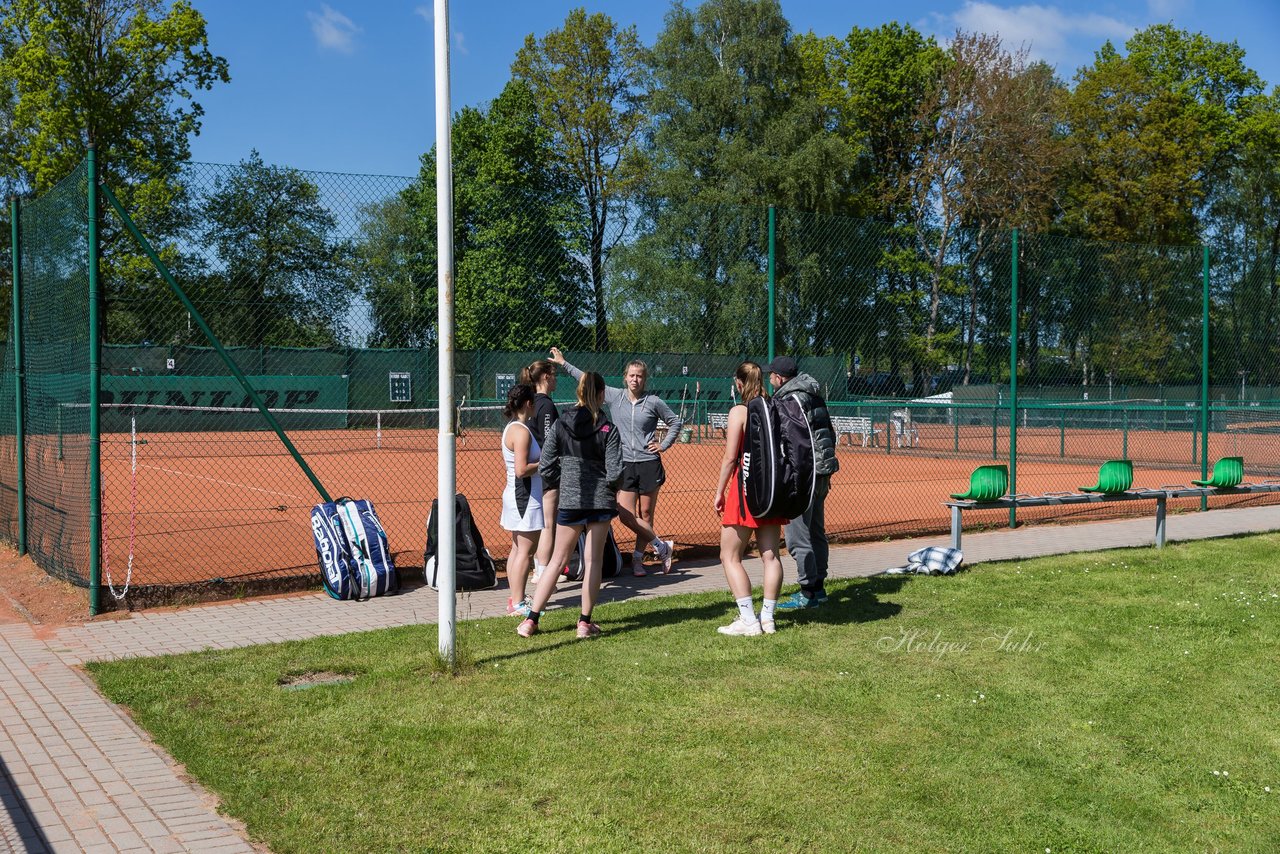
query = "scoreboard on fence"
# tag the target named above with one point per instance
(401, 387)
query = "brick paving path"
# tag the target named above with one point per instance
(77, 775)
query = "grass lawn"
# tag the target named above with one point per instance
(1115, 701)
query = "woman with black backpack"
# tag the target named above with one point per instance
(584, 454)
(737, 523)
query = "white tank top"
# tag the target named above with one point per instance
(509, 456)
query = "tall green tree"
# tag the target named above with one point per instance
(121, 75)
(279, 274)
(587, 80)
(734, 129)
(1154, 133)
(1153, 129)
(519, 281)
(871, 83)
(395, 262)
(1244, 235)
(118, 74)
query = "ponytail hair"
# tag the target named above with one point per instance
(538, 371)
(520, 395)
(591, 394)
(749, 374)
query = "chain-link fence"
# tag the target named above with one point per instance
(321, 288)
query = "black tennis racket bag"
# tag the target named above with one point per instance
(355, 562)
(474, 568)
(577, 569)
(778, 473)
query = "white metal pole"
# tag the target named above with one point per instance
(447, 460)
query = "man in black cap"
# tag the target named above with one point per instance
(806, 535)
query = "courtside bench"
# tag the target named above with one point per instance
(718, 421)
(849, 425)
(1114, 481)
(1054, 498)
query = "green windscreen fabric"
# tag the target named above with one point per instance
(55, 306)
(219, 404)
(8, 447)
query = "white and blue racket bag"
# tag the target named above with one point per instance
(355, 562)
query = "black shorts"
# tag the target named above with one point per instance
(584, 517)
(643, 477)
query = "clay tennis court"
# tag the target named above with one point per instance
(234, 506)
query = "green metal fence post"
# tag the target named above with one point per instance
(19, 378)
(1124, 426)
(1204, 380)
(1013, 381)
(773, 290)
(95, 424)
(995, 416)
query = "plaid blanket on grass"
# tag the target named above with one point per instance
(934, 560)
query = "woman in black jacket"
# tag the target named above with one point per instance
(584, 455)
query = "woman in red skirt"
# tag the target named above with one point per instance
(737, 523)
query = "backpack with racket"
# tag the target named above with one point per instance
(778, 471)
(474, 568)
(355, 562)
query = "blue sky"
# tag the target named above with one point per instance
(348, 85)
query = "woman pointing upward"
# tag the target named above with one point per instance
(635, 413)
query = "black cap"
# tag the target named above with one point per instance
(783, 366)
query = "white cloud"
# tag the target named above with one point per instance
(1166, 10)
(1063, 39)
(426, 13)
(460, 44)
(333, 30)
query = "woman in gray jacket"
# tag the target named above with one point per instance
(583, 452)
(636, 414)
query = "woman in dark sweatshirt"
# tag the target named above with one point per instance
(584, 454)
(542, 376)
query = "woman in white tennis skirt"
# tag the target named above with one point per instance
(522, 499)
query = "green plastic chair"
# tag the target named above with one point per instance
(987, 483)
(1114, 477)
(1227, 473)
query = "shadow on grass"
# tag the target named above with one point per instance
(853, 601)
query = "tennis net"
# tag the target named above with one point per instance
(200, 431)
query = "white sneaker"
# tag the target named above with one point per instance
(741, 628)
(768, 627)
(537, 574)
(668, 555)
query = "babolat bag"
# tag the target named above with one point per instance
(474, 568)
(577, 569)
(778, 472)
(351, 545)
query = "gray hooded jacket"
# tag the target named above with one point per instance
(585, 458)
(637, 421)
(806, 390)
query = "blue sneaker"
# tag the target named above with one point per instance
(800, 600)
